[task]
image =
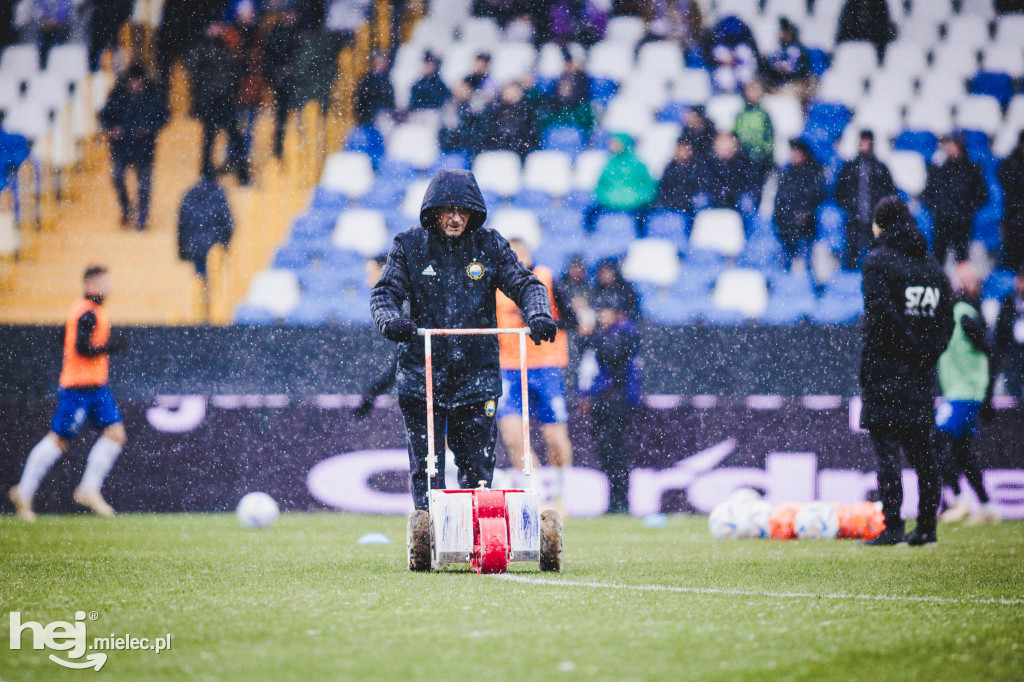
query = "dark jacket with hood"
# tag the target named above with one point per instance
(451, 284)
(908, 321)
(204, 220)
(955, 191)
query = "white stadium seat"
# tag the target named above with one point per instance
(1004, 57)
(512, 61)
(847, 146)
(742, 290)
(414, 143)
(610, 60)
(955, 60)
(692, 86)
(967, 30)
(892, 86)
(723, 110)
(275, 290)
(662, 57)
(483, 34)
(652, 260)
(905, 57)
(924, 33)
(786, 113)
(983, 9)
(549, 172)
(349, 173)
(550, 62)
(21, 60)
(499, 172)
(835, 87)
(28, 118)
(516, 223)
(413, 199)
(658, 145)
(747, 10)
(930, 115)
(1013, 123)
(941, 87)
(457, 63)
(589, 165)
(1010, 28)
(720, 230)
(646, 88)
(979, 112)
(855, 59)
(908, 171)
(624, 31)
(625, 115)
(930, 11)
(879, 115)
(361, 230)
(69, 60)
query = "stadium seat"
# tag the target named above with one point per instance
(670, 225)
(998, 285)
(792, 299)
(589, 165)
(1004, 57)
(348, 173)
(1009, 28)
(384, 195)
(514, 223)
(979, 8)
(567, 139)
(979, 112)
(854, 59)
(998, 85)
(531, 199)
(931, 115)
(892, 87)
(361, 230)
(326, 201)
(612, 236)
(368, 140)
(69, 60)
(624, 30)
(719, 230)
(741, 290)
(499, 172)
(253, 315)
(830, 117)
(274, 290)
(763, 253)
(21, 60)
(723, 110)
(691, 86)
(563, 225)
(602, 90)
(415, 144)
(511, 61)
(831, 226)
(658, 145)
(651, 260)
(955, 60)
(660, 57)
(787, 115)
(908, 171)
(550, 61)
(610, 60)
(645, 88)
(296, 255)
(626, 115)
(905, 58)
(967, 30)
(837, 88)
(480, 33)
(879, 115)
(921, 141)
(663, 306)
(549, 172)
(414, 199)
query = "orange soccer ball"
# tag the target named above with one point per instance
(780, 524)
(861, 520)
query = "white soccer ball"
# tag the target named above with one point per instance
(728, 521)
(756, 516)
(816, 521)
(257, 510)
(741, 495)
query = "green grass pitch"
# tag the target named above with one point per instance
(303, 601)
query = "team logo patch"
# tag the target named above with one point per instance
(489, 408)
(475, 270)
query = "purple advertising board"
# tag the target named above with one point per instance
(201, 453)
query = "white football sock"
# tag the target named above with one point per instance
(101, 458)
(42, 457)
(560, 482)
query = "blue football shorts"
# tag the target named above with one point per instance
(547, 396)
(77, 406)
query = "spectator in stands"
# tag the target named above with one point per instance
(866, 20)
(1011, 177)
(788, 69)
(52, 19)
(732, 54)
(574, 283)
(463, 121)
(204, 219)
(625, 184)
(251, 86)
(213, 70)
(429, 92)
(8, 34)
(511, 123)
(480, 79)
(700, 130)
(105, 19)
(863, 181)
(182, 22)
(801, 191)
(279, 50)
(731, 177)
(1010, 336)
(569, 21)
(614, 394)
(955, 190)
(374, 94)
(610, 282)
(680, 21)
(133, 116)
(681, 181)
(755, 131)
(570, 101)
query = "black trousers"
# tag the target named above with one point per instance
(916, 444)
(955, 456)
(858, 239)
(210, 130)
(951, 235)
(144, 174)
(471, 434)
(608, 422)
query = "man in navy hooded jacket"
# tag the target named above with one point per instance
(448, 270)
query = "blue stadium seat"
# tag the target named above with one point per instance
(832, 226)
(664, 307)
(671, 113)
(368, 140)
(385, 194)
(314, 224)
(923, 142)
(452, 161)
(819, 60)
(299, 254)
(924, 220)
(341, 259)
(562, 138)
(998, 85)
(845, 285)
(250, 315)
(555, 254)
(762, 253)
(395, 170)
(830, 117)
(325, 281)
(670, 225)
(792, 299)
(602, 90)
(599, 139)
(532, 199)
(563, 223)
(977, 145)
(719, 317)
(353, 308)
(998, 285)
(311, 312)
(837, 311)
(578, 199)
(325, 200)
(612, 236)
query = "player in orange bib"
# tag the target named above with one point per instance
(546, 364)
(83, 397)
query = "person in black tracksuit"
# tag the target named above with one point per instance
(908, 321)
(955, 191)
(863, 181)
(448, 270)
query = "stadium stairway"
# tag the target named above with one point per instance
(151, 286)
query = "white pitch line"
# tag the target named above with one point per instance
(716, 591)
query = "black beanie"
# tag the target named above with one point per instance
(892, 215)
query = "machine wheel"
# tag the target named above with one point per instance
(550, 541)
(418, 541)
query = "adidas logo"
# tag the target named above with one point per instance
(429, 271)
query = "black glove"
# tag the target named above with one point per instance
(542, 328)
(987, 412)
(364, 408)
(400, 330)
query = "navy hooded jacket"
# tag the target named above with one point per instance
(451, 284)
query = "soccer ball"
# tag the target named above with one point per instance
(257, 510)
(780, 523)
(728, 521)
(862, 520)
(757, 514)
(816, 521)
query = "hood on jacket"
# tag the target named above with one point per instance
(626, 141)
(456, 188)
(899, 229)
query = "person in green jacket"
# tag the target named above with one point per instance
(965, 376)
(625, 184)
(755, 130)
